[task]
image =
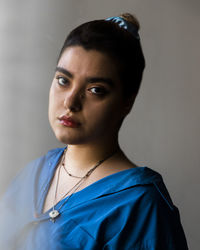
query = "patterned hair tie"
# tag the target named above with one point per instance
(122, 23)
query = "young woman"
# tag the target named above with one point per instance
(89, 195)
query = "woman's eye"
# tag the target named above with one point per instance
(62, 81)
(97, 90)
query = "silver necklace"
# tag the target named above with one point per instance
(54, 213)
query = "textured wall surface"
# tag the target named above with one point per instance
(163, 129)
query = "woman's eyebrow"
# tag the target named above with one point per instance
(64, 71)
(105, 80)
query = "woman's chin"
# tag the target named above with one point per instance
(67, 138)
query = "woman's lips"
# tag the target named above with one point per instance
(69, 122)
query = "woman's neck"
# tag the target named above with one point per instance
(80, 158)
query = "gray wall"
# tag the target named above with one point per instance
(163, 129)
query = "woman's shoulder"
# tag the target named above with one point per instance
(48, 159)
(139, 183)
(35, 168)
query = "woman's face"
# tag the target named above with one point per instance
(86, 103)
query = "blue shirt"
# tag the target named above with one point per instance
(130, 209)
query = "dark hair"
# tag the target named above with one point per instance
(123, 47)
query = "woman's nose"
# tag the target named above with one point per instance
(73, 100)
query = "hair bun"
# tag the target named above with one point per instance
(131, 19)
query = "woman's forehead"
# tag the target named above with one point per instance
(78, 60)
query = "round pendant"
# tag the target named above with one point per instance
(53, 214)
